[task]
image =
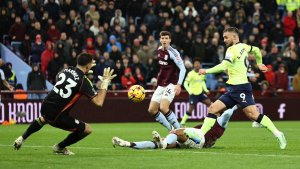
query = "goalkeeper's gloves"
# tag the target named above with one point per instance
(93, 64)
(106, 78)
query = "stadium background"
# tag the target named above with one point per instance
(68, 27)
(124, 35)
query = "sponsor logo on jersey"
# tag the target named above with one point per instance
(162, 62)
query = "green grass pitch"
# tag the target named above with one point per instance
(240, 147)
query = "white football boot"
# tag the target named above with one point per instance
(282, 141)
(157, 138)
(61, 151)
(18, 143)
(119, 142)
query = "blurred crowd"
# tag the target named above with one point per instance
(124, 34)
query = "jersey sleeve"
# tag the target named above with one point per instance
(186, 82)
(2, 75)
(204, 87)
(220, 67)
(229, 56)
(248, 48)
(87, 88)
(258, 56)
(175, 56)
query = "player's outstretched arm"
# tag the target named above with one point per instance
(105, 81)
(216, 69)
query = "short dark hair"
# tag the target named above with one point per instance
(231, 29)
(196, 59)
(165, 33)
(84, 58)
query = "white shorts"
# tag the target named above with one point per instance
(191, 144)
(166, 92)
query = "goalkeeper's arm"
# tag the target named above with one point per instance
(105, 81)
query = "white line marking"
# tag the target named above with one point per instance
(173, 151)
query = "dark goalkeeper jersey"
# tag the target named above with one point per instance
(71, 84)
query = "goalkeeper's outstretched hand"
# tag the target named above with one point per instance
(93, 64)
(106, 78)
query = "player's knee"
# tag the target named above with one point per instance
(152, 111)
(42, 120)
(211, 109)
(179, 132)
(251, 112)
(88, 129)
(164, 109)
(252, 115)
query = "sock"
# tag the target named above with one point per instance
(35, 126)
(266, 122)
(225, 117)
(71, 139)
(209, 121)
(172, 119)
(171, 139)
(185, 117)
(144, 145)
(162, 120)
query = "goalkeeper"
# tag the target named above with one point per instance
(71, 84)
(196, 87)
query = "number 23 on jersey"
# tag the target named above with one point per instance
(65, 90)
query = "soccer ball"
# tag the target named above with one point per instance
(136, 93)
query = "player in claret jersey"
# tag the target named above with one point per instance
(169, 81)
(71, 84)
(239, 89)
(179, 139)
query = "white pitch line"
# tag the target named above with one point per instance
(247, 154)
(173, 151)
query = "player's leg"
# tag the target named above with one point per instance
(207, 102)
(166, 100)
(154, 108)
(213, 112)
(225, 117)
(136, 145)
(169, 114)
(192, 103)
(187, 114)
(79, 131)
(252, 113)
(179, 135)
(35, 126)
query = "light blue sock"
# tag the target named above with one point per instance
(171, 139)
(173, 119)
(225, 117)
(162, 120)
(144, 145)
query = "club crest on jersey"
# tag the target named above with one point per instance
(178, 58)
(166, 57)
